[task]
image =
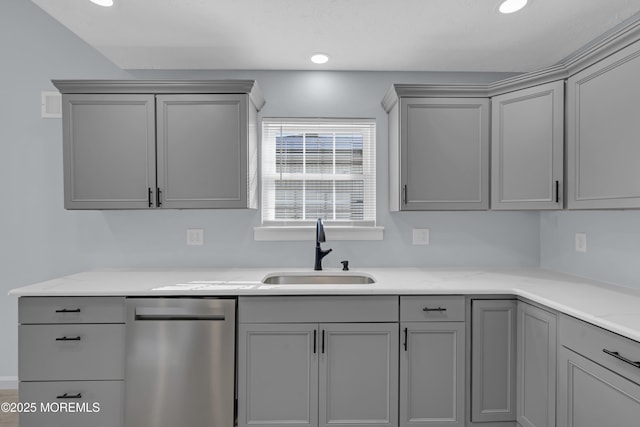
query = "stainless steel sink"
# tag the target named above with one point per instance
(318, 279)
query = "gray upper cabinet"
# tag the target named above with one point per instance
(202, 150)
(109, 150)
(160, 144)
(493, 360)
(603, 124)
(527, 144)
(536, 375)
(438, 152)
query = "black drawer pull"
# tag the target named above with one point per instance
(624, 359)
(68, 339)
(434, 309)
(73, 396)
(66, 310)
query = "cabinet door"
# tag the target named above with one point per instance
(536, 367)
(277, 375)
(432, 375)
(527, 143)
(445, 153)
(592, 396)
(493, 360)
(202, 151)
(603, 124)
(359, 374)
(109, 151)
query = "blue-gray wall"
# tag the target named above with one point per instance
(613, 245)
(40, 240)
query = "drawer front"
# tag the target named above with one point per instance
(37, 310)
(71, 352)
(318, 309)
(591, 342)
(87, 403)
(432, 308)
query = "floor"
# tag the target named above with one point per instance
(8, 419)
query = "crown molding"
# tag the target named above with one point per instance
(600, 48)
(249, 87)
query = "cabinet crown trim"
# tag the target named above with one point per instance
(607, 44)
(249, 87)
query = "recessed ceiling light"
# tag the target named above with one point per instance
(104, 3)
(319, 58)
(510, 6)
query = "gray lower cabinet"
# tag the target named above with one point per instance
(493, 360)
(527, 148)
(318, 374)
(598, 377)
(171, 144)
(432, 361)
(536, 367)
(278, 374)
(432, 376)
(71, 361)
(438, 152)
(603, 124)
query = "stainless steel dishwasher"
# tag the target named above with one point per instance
(180, 362)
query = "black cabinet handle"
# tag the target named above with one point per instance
(150, 197)
(427, 309)
(619, 357)
(68, 339)
(404, 194)
(158, 197)
(315, 340)
(323, 341)
(557, 191)
(67, 310)
(406, 336)
(73, 396)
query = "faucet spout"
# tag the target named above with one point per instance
(320, 253)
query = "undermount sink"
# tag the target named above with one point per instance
(318, 279)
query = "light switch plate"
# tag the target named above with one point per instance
(195, 237)
(581, 242)
(420, 236)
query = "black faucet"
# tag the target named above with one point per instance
(319, 252)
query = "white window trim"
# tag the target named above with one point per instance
(291, 233)
(367, 230)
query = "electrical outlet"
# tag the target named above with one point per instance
(420, 236)
(195, 237)
(581, 242)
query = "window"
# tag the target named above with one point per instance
(318, 168)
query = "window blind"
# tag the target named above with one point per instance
(318, 168)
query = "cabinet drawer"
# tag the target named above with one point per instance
(432, 309)
(318, 309)
(71, 352)
(71, 310)
(99, 403)
(591, 342)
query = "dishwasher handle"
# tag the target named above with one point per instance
(177, 313)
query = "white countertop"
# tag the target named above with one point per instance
(614, 308)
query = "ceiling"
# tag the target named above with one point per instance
(389, 35)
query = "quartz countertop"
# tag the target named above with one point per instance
(611, 307)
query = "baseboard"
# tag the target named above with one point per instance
(8, 383)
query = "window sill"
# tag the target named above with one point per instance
(283, 233)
